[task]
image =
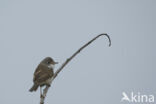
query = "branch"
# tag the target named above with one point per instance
(67, 61)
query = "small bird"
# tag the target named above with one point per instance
(43, 73)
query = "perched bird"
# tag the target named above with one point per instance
(43, 73)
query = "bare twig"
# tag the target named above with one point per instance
(67, 61)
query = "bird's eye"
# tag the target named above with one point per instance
(48, 62)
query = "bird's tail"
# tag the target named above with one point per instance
(34, 87)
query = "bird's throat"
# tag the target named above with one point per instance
(51, 66)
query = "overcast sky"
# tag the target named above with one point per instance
(31, 30)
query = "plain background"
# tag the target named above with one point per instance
(31, 30)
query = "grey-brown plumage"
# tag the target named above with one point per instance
(43, 73)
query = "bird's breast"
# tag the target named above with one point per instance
(48, 81)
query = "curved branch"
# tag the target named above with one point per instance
(67, 61)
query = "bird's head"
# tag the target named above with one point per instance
(49, 62)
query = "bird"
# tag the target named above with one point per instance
(43, 74)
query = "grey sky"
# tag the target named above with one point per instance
(30, 30)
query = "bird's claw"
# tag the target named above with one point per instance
(42, 96)
(48, 85)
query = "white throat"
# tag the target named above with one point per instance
(51, 66)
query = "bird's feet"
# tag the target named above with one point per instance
(41, 96)
(48, 85)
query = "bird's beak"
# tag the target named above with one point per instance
(56, 62)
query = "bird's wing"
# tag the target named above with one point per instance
(42, 74)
